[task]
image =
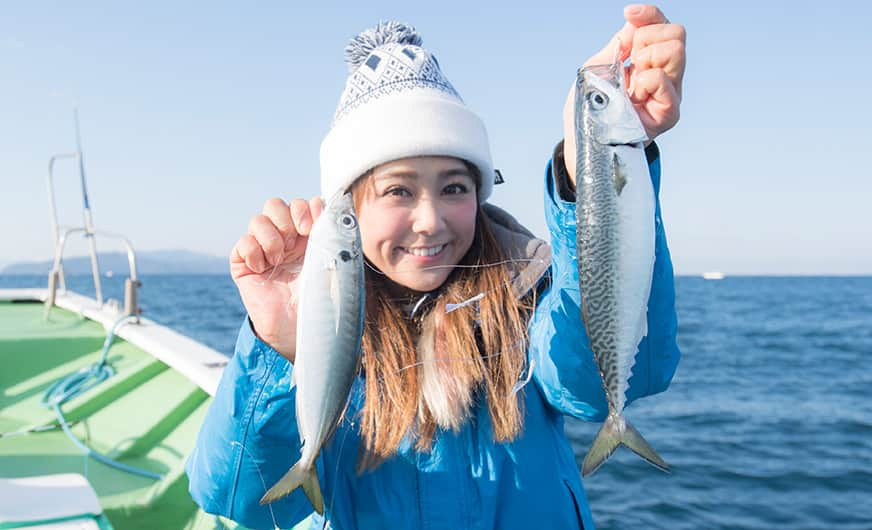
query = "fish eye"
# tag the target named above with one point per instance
(348, 221)
(345, 255)
(598, 100)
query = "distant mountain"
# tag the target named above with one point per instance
(147, 262)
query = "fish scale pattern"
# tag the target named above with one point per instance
(611, 238)
(597, 239)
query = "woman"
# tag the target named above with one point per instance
(441, 430)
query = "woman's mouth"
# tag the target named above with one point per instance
(424, 252)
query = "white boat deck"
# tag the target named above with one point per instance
(196, 361)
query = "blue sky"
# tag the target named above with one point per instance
(193, 114)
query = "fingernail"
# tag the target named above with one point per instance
(633, 9)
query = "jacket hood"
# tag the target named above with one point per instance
(531, 256)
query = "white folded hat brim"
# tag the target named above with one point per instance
(421, 122)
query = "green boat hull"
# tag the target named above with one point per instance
(146, 415)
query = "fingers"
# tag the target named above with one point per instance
(656, 48)
(646, 20)
(643, 15)
(249, 253)
(274, 233)
(278, 212)
(660, 46)
(621, 42)
(302, 216)
(658, 61)
(658, 33)
(656, 100)
(268, 236)
(666, 56)
(292, 220)
(316, 206)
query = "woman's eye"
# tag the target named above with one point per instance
(398, 192)
(455, 189)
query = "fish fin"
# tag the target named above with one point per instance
(335, 296)
(614, 432)
(633, 440)
(312, 489)
(293, 479)
(619, 169)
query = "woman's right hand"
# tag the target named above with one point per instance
(265, 265)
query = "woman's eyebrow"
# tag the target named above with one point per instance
(412, 174)
(397, 173)
(455, 172)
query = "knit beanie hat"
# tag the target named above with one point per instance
(398, 104)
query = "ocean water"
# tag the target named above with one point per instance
(767, 424)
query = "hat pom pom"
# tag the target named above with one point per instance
(369, 39)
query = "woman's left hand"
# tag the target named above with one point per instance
(656, 51)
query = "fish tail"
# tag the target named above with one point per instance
(293, 479)
(617, 431)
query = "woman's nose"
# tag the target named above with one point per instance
(427, 217)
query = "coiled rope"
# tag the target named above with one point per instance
(80, 382)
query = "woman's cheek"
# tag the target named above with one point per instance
(465, 213)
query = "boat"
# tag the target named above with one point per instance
(99, 406)
(713, 275)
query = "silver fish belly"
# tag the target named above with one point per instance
(330, 312)
(615, 242)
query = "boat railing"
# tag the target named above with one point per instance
(56, 275)
(131, 285)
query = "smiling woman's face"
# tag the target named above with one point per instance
(417, 218)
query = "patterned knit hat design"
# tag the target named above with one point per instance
(397, 104)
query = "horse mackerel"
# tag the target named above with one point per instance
(330, 312)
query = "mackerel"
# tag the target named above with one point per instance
(615, 243)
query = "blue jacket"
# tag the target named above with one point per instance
(250, 438)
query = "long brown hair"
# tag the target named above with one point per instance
(424, 372)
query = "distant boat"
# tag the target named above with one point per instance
(713, 275)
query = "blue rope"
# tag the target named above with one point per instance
(80, 382)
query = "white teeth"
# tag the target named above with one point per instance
(432, 251)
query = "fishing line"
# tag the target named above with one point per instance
(296, 269)
(450, 307)
(339, 459)
(617, 62)
(519, 345)
(292, 268)
(462, 359)
(262, 481)
(523, 379)
(458, 266)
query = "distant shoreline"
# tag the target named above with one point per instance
(115, 263)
